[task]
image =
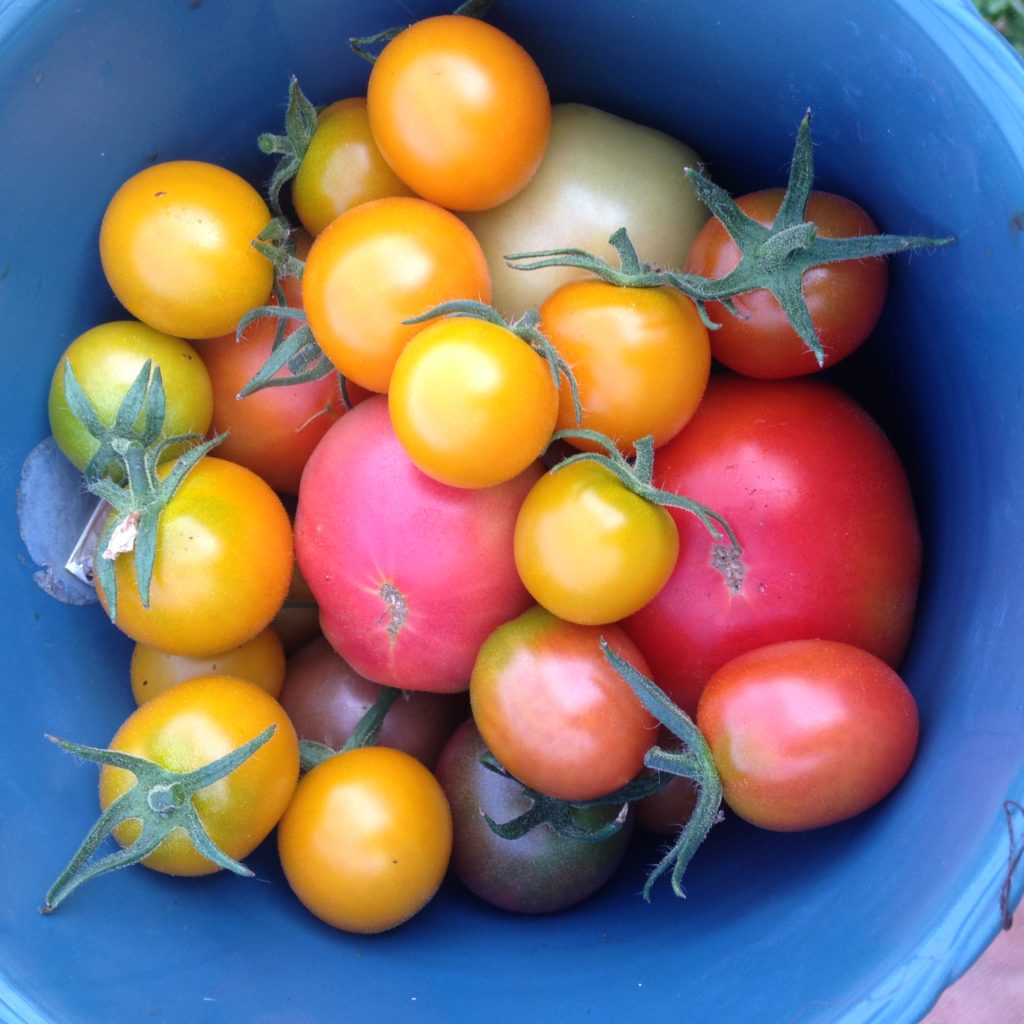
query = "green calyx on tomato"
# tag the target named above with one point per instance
(161, 800)
(637, 476)
(524, 328)
(773, 258)
(776, 258)
(134, 446)
(365, 734)
(363, 46)
(561, 816)
(693, 761)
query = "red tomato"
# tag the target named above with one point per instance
(822, 509)
(460, 111)
(273, 431)
(845, 299)
(411, 575)
(808, 732)
(554, 712)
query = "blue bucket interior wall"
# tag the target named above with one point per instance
(917, 115)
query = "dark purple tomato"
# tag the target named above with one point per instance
(541, 871)
(325, 699)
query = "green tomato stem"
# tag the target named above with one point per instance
(694, 762)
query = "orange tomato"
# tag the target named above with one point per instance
(460, 111)
(377, 265)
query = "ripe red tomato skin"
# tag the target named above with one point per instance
(373, 533)
(554, 712)
(822, 508)
(273, 431)
(845, 299)
(807, 732)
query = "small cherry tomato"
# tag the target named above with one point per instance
(342, 167)
(223, 565)
(472, 404)
(538, 873)
(176, 247)
(590, 550)
(326, 699)
(845, 299)
(640, 356)
(378, 265)
(460, 111)
(189, 726)
(105, 361)
(366, 840)
(260, 660)
(274, 430)
(554, 712)
(807, 732)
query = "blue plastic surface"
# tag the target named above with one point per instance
(919, 113)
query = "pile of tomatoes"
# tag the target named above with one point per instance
(445, 451)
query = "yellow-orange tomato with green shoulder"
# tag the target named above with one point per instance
(472, 404)
(176, 248)
(223, 564)
(190, 726)
(342, 167)
(588, 548)
(366, 839)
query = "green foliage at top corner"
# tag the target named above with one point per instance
(1008, 17)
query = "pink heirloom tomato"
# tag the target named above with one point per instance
(411, 575)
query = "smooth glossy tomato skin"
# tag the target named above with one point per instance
(460, 111)
(822, 509)
(342, 167)
(223, 565)
(367, 839)
(326, 699)
(590, 550)
(845, 299)
(176, 247)
(538, 873)
(411, 575)
(377, 265)
(191, 725)
(554, 712)
(808, 732)
(599, 173)
(640, 356)
(273, 431)
(261, 660)
(472, 403)
(106, 360)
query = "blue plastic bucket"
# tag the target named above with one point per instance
(919, 114)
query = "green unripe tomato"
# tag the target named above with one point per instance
(106, 360)
(600, 173)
